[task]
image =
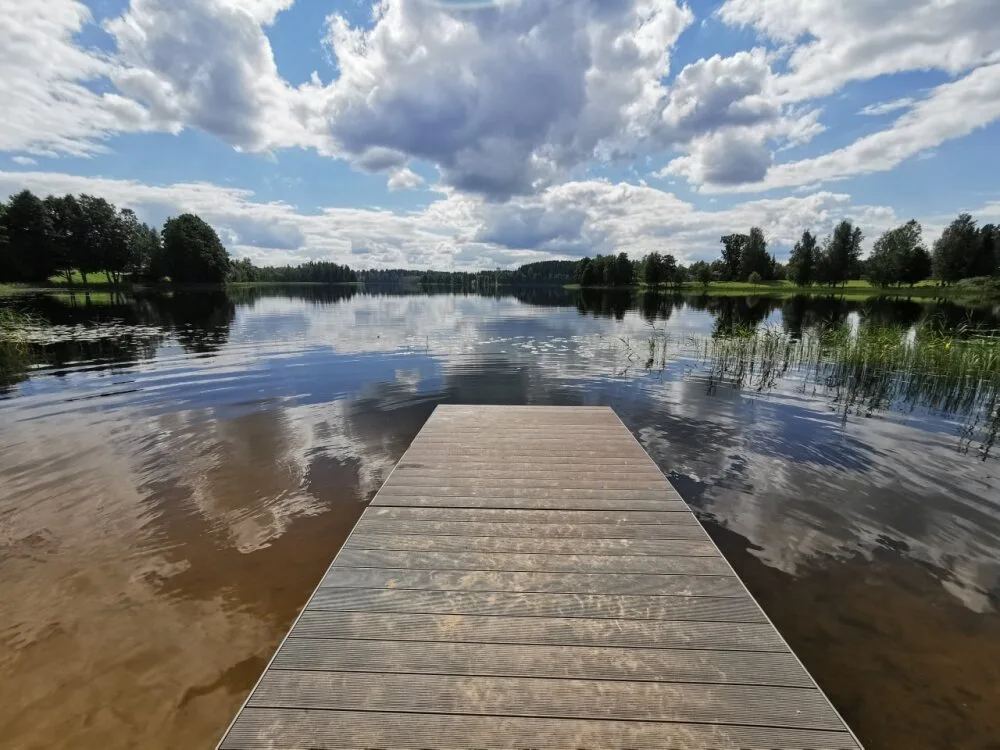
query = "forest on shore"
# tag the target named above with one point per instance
(77, 239)
(899, 257)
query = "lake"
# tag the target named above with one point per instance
(178, 470)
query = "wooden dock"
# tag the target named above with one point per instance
(527, 578)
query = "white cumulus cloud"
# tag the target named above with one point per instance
(49, 103)
(502, 100)
(886, 108)
(952, 110)
(208, 64)
(833, 42)
(508, 99)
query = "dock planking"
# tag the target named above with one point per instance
(527, 578)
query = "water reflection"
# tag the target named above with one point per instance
(178, 469)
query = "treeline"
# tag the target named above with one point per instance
(653, 269)
(461, 280)
(62, 235)
(606, 270)
(965, 251)
(543, 272)
(898, 257)
(314, 272)
(389, 275)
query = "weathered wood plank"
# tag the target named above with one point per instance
(574, 517)
(408, 479)
(594, 441)
(535, 503)
(528, 461)
(282, 729)
(369, 525)
(516, 696)
(362, 539)
(564, 662)
(520, 604)
(447, 427)
(505, 430)
(571, 438)
(553, 631)
(583, 471)
(551, 583)
(581, 449)
(660, 564)
(531, 493)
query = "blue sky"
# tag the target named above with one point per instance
(460, 134)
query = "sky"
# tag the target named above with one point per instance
(467, 134)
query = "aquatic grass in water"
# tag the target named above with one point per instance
(13, 325)
(14, 346)
(864, 368)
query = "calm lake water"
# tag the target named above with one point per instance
(176, 472)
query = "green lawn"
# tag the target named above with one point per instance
(98, 278)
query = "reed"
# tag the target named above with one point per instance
(862, 368)
(14, 346)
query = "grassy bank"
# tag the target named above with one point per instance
(98, 278)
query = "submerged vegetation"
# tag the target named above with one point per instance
(863, 368)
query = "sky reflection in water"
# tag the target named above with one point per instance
(178, 470)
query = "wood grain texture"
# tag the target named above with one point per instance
(527, 578)
(528, 545)
(285, 729)
(553, 631)
(549, 583)
(521, 604)
(499, 491)
(571, 517)
(534, 462)
(582, 532)
(526, 503)
(661, 564)
(481, 471)
(558, 662)
(553, 698)
(575, 481)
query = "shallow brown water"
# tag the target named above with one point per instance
(176, 473)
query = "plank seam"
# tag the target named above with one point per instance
(554, 717)
(403, 639)
(356, 546)
(520, 591)
(645, 681)
(519, 570)
(527, 617)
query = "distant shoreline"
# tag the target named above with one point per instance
(987, 291)
(860, 289)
